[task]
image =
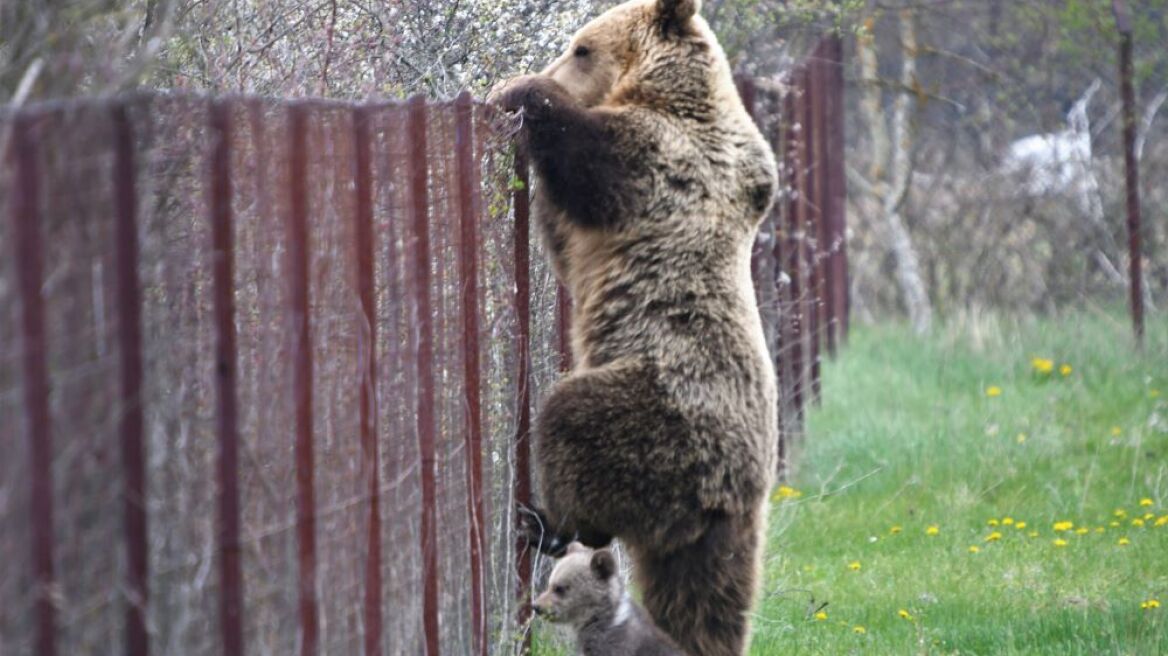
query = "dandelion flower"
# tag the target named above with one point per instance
(904, 614)
(1113, 524)
(1150, 604)
(859, 630)
(1137, 522)
(1120, 513)
(854, 565)
(1033, 534)
(993, 390)
(973, 548)
(1116, 431)
(1042, 366)
(1123, 542)
(1021, 439)
(992, 522)
(1020, 525)
(1063, 526)
(1153, 393)
(1100, 530)
(786, 492)
(1065, 370)
(1149, 517)
(894, 530)
(1007, 521)
(1082, 530)
(993, 537)
(820, 616)
(1145, 502)
(932, 530)
(1059, 542)
(1161, 520)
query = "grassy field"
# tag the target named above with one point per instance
(966, 493)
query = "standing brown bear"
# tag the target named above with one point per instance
(651, 183)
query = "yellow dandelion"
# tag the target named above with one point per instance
(993, 537)
(1153, 393)
(973, 548)
(1149, 517)
(786, 492)
(1020, 525)
(1161, 520)
(1116, 431)
(992, 391)
(1145, 502)
(1063, 526)
(992, 522)
(1059, 542)
(1120, 513)
(1123, 542)
(1137, 522)
(859, 630)
(895, 529)
(1082, 530)
(1007, 521)
(1033, 534)
(904, 614)
(1100, 530)
(1113, 524)
(1021, 439)
(1150, 604)
(1042, 365)
(820, 616)
(1065, 370)
(854, 565)
(932, 530)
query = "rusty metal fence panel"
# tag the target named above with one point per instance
(268, 368)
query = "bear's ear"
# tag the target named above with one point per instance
(603, 564)
(675, 15)
(577, 548)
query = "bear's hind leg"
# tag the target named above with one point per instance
(703, 593)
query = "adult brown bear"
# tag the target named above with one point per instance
(651, 182)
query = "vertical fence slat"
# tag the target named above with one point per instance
(223, 280)
(825, 201)
(1131, 170)
(130, 345)
(24, 211)
(836, 128)
(472, 378)
(424, 357)
(522, 258)
(298, 255)
(365, 248)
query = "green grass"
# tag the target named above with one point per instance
(907, 437)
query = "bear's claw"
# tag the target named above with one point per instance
(536, 532)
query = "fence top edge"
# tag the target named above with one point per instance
(40, 108)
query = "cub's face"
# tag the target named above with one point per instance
(603, 51)
(583, 584)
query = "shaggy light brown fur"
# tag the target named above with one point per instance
(651, 182)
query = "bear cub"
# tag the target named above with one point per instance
(585, 591)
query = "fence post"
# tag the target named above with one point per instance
(130, 346)
(24, 211)
(522, 258)
(837, 188)
(424, 361)
(222, 266)
(1132, 169)
(298, 267)
(365, 245)
(472, 379)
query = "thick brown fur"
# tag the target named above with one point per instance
(651, 182)
(585, 592)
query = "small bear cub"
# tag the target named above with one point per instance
(585, 591)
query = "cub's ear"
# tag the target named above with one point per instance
(576, 548)
(603, 564)
(676, 14)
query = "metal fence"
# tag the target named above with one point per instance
(267, 368)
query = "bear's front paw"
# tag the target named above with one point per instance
(534, 94)
(535, 530)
